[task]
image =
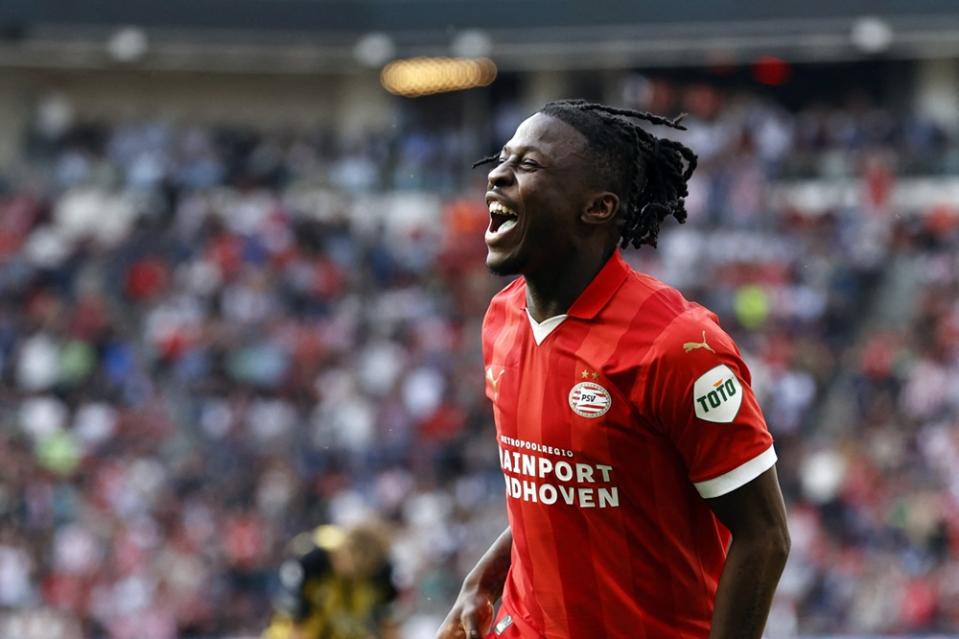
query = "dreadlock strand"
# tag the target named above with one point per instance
(686, 154)
(631, 218)
(489, 159)
(652, 118)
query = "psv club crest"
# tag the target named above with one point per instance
(589, 399)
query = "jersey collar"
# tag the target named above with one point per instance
(601, 289)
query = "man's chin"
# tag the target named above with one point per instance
(504, 265)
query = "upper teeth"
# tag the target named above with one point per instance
(496, 207)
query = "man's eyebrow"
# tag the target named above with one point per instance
(520, 149)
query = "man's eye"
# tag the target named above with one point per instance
(521, 163)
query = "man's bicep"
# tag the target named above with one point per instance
(754, 508)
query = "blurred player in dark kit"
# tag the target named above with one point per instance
(337, 584)
(640, 476)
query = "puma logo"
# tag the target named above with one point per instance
(691, 346)
(494, 379)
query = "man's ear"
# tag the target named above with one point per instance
(601, 208)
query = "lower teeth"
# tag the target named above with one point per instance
(507, 225)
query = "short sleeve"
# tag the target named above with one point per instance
(697, 390)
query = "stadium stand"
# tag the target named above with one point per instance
(212, 339)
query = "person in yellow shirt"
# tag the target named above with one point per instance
(336, 584)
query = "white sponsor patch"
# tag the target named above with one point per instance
(503, 624)
(588, 399)
(717, 395)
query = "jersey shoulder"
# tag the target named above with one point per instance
(507, 301)
(694, 331)
(645, 286)
(674, 328)
(509, 296)
(655, 304)
(694, 344)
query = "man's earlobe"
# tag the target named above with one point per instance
(601, 209)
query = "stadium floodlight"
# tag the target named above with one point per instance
(54, 115)
(414, 77)
(374, 49)
(472, 43)
(871, 34)
(128, 44)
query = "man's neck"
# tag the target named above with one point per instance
(552, 292)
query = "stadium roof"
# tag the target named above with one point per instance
(321, 34)
(426, 15)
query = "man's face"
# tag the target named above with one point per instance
(536, 195)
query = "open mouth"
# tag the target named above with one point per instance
(502, 218)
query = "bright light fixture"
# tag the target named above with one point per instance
(413, 77)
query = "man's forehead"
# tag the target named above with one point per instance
(548, 134)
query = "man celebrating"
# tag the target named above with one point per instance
(631, 442)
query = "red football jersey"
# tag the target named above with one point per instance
(613, 423)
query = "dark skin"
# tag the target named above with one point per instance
(565, 231)
(756, 517)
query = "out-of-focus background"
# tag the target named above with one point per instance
(241, 286)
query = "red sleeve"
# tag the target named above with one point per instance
(697, 391)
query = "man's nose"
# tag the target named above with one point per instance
(500, 176)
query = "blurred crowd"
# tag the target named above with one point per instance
(212, 340)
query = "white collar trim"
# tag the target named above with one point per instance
(541, 330)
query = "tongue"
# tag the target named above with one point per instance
(507, 225)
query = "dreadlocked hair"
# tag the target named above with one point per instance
(647, 172)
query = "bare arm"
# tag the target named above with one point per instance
(472, 613)
(756, 516)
